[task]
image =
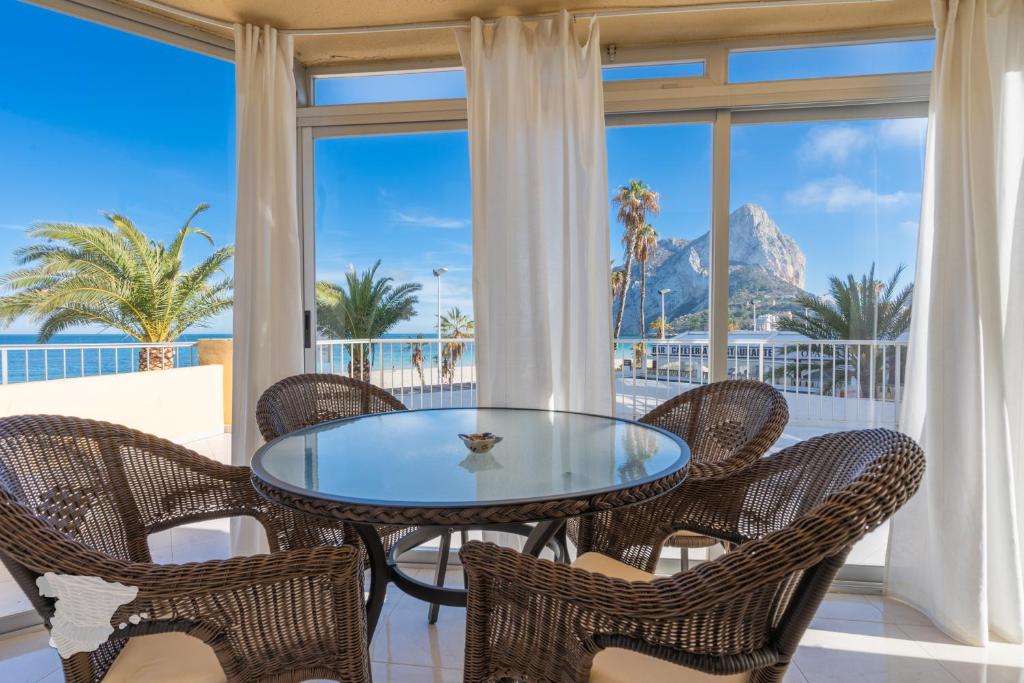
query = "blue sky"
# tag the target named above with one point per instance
(101, 120)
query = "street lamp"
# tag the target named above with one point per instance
(438, 272)
(663, 292)
(753, 302)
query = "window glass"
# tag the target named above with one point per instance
(660, 184)
(614, 72)
(822, 247)
(397, 87)
(835, 60)
(398, 207)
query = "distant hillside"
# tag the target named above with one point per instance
(766, 266)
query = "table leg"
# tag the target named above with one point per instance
(541, 535)
(378, 575)
(439, 572)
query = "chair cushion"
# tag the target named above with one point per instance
(616, 665)
(602, 564)
(166, 658)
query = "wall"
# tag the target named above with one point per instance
(219, 352)
(181, 404)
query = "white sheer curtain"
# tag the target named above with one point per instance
(956, 549)
(540, 215)
(268, 281)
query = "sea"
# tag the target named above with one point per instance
(95, 354)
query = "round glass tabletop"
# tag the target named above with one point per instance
(416, 459)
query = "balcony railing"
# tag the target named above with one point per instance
(848, 382)
(408, 368)
(851, 383)
(42, 362)
(857, 382)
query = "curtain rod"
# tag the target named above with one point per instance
(461, 23)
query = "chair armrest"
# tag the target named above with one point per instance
(264, 615)
(172, 485)
(175, 486)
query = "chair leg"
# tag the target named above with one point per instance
(464, 538)
(684, 559)
(439, 572)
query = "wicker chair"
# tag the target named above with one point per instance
(309, 399)
(793, 516)
(728, 425)
(80, 497)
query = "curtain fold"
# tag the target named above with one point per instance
(267, 325)
(955, 550)
(541, 291)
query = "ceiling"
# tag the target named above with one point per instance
(721, 24)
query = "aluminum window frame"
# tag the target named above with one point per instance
(709, 98)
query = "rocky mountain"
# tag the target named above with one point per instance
(765, 265)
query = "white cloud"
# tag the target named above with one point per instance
(842, 194)
(905, 132)
(833, 143)
(430, 221)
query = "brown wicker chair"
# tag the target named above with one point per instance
(80, 497)
(793, 515)
(728, 425)
(309, 399)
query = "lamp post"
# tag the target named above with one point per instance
(663, 292)
(753, 302)
(438, 272)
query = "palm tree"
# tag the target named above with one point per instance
(618, 280)
(454, 325)
(117, 277)
(366, 307)
(865, 309)
(635, 200)
(417, 358)
(661, 327)
(645, 244)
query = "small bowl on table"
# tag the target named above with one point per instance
(480, 443)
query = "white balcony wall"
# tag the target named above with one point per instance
(182, 405)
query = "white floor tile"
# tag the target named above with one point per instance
(843, 651)
(997, 663)
(403, 673)
(26, 657)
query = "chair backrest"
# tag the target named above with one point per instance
(78, 476)
(727, 424)
(309, 399)
(802, 508)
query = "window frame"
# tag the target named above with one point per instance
(710, 98)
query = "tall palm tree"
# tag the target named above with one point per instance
(454, 325)
(366, 307)
(635, 201)
(416, 349)
(618, 280)
(117, 277)
(660, 327)
(645, 244)
(866, 309)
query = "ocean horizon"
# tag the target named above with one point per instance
(35, 361)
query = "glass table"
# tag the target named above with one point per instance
(410, 468)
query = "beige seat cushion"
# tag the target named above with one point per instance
(166, 658)
(602, 564)
(616, 665)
